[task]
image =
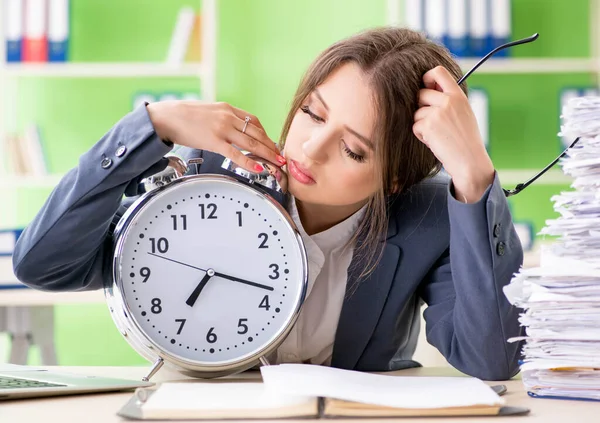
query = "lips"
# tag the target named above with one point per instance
(300, 173)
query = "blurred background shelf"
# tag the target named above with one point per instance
(104, 70)
(46, 181)
(533, 65)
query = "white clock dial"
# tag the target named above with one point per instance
(211, 271)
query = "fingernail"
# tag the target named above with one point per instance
(281, 160)
(258, 168)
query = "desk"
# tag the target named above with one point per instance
(97, 408)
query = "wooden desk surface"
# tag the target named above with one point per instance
(96, 408)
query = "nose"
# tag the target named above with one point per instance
(316, 146)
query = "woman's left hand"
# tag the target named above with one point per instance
(446, 123)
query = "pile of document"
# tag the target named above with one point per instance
(561, 297)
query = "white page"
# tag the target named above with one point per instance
(219, 396)
(383, 390)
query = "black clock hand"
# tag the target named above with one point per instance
(233, 278)
(194, 296)
(222, 275)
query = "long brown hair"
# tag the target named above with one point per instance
(394, 61)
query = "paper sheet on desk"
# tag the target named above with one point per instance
(383, 390)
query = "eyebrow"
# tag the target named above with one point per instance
(364, 139)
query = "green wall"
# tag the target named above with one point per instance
(264, 46)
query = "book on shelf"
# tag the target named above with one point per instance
(37, 30)
(311, 391)
(466, 28)
(25, 153)
(186, 38)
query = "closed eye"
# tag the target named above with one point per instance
(309, 112)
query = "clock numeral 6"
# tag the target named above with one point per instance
(183, 221)
(156, 307)
(244, 327)
(211, 208)
(265, 303)
(211, 337)
(264, 237)
(145, 273)
(162, 245)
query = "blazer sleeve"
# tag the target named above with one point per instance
(67, 246)
(468, 318)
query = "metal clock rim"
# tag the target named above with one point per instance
(138, 338)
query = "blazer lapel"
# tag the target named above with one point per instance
(362, 308)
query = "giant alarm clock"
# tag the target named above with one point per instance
(209, 271)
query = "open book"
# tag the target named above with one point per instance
(309, 391)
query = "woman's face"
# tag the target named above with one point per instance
(329, 147)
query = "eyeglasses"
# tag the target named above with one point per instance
(520, 187)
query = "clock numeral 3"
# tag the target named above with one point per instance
(211, 208)
(265, 303)
(211, 337)
(156, 307)
(264, 237)
(244, 327)
(181, 323)
(183, 221)
(145, 273)
(275, 274)
(162, 245)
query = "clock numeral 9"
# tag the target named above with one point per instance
(162, 245)
(181, 323)
(145, 273)
(211, 337)
(275, 274)
(156, 307)
(264, 237)
(211, 207)
(183, 221)
(244, 327)
(265, 303)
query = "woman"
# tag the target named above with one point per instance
(375, 118)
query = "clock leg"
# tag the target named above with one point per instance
(155, 368)
(264, 361)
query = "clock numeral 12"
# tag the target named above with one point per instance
(183, 222)
(211, 207)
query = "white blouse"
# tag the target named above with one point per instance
(311, 339)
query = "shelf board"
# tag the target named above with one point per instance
(518, 65)
(512, 177)
(46, 181)
(102, 70)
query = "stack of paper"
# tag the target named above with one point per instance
(561, 298)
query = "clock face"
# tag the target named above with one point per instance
(211, 271)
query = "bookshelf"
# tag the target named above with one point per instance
(204, 71)
(106, 70)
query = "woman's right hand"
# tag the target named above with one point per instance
(215, 127)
